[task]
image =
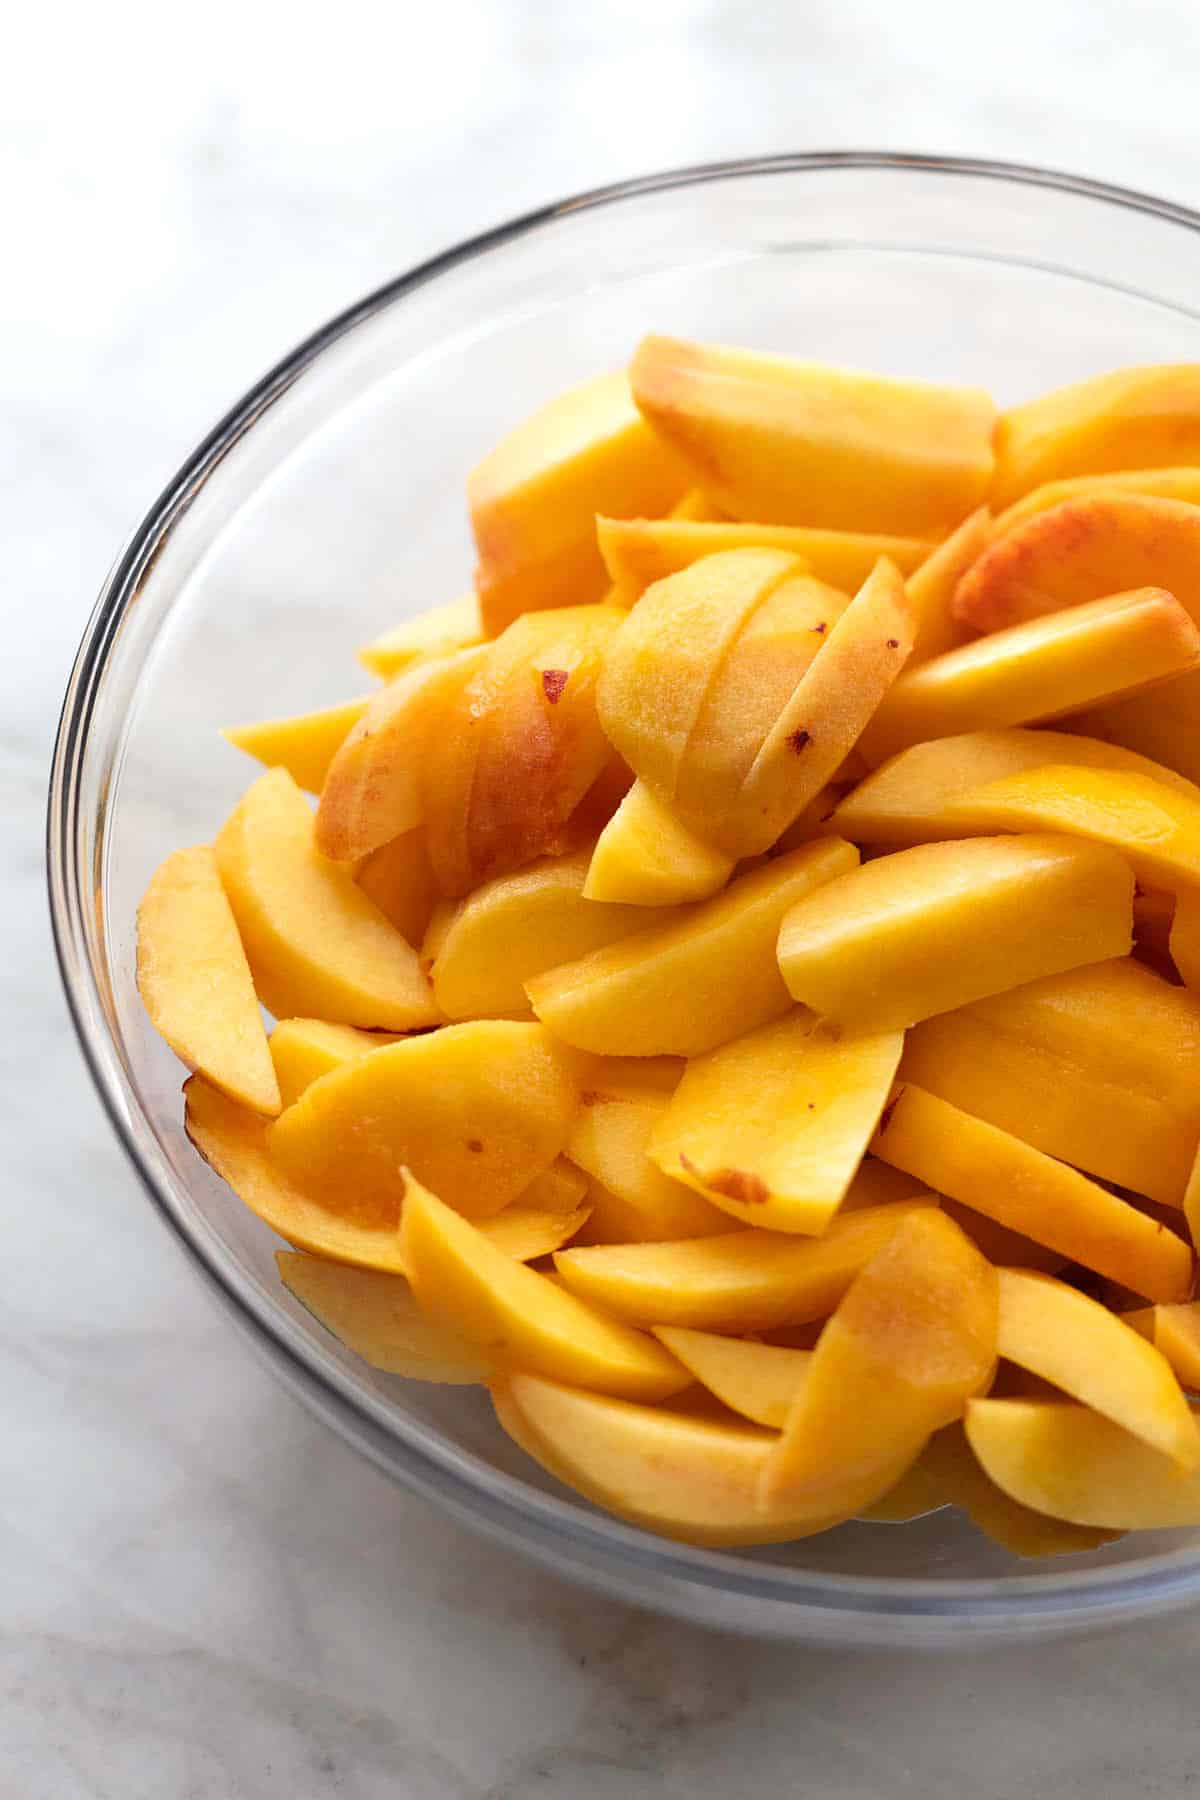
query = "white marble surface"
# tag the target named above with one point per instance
(202, 1595)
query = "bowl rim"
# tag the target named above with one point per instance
(541, 1524)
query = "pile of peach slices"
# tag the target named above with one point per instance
(738, 993)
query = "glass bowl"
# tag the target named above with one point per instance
(329, 503)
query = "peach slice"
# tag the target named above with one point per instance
(1087, 1351)
(517, 926)
(1045, 668)
(440, 631)
(647, 856)
(305, 745)
(952, 1465)
(195, 983)
(399, 880)
(801, 444)
(316, 945)
(695, 507)
(738, 1282)
(932, 928)
(932, 585)
(1180, 483)
(760, 1381)
(907, 800)
(668, 990)
(995, 1173)
(772, 1127)
(534, 497)
(374, 1314)
(1184, 941)
(1121, 420)
(913, 1338)
(1156, 828)
(639, 1204)
(479, 1109)
(1175, 1331)
(1077, 1465)
(546, 1215)
(523, 1319)
(639, 552)
(303, 1050)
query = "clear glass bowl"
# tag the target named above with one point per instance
(329, 503)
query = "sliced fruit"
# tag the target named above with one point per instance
(1184, 941)
(741, 1281)
(913, 1338)
(914, 1495)
(1075, 1464)
(1046, 668)
(546, 1215)
(772, 1127)
(640, 1204)
(1180, 483)
(932, 928)
(668, 990)
(399, 880)
(952, 1464)
(440, 631)
(647, 856)
(760, 1381)
(932, 585)
(995, 1173)
(1156, 829)
(195, 981)
(303, 1050)
(517, 926)
(1126, 419)
(304, 745)
(907, 801)
(1175, 1331)
(480, 1109)
(375, 1315)
(316, 945)
(523, 1319)
(1087, 1351)
(534, 497)
(696, 506)
(639, 552)
(775, 438)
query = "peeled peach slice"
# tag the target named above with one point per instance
(1088, 1352)
(741, 1281)
(303, 1050)
(399, 879)
(315, 944)
(932, 928)
(913, 1338)
(773, 1126)
(374, 1314)
(304, 745)
(931, 587)
(995, 1173)
(668, 990)
(639, 1204)
(544, 1216)
(952, 1465)
(647, 856)
(1179, 483)
(1185, 936)
(1045, 668)
(195, 982)
(1125, 419)
(775, 438)
(760, 1381)
(440, 631)
(534, 497)
(523, 1319)
(479, 1109)
(1175, 1331)
(1075, 1464)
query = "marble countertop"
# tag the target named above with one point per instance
(203, 1596)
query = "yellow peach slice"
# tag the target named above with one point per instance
(1077, 1465)
(534, 497)
(772, 1127)
(1184, 941)
(375, 1315)
(668, 990)
(647, 856)
(995, 1173)
(1124, 419)
(316, 945)
(803, 444)
(696, 506)
(1175, 1331)
(303, 1050)
(1156, 828)
(546, 1215)
(760, 1381)
(305, 745)
(906, 801)
(523, 1319)
(1045, 668)
(610, 1139)
(1087, 1351)
(639, 552)
(932, 928)
(952, 1465)
(440, 631)
(516, 927)
(740, 1281)
(932, 585)
(478, 1109)
(195, 981)
(682, 1476)
(398, 879)
(913, 1338)
(1180, 483)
